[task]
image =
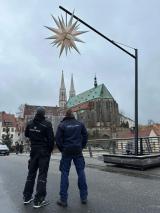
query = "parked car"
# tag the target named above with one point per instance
(4, 150)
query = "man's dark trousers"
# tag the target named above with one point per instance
(65, 165)
(38, 160)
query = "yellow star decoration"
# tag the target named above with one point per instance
(66, 34)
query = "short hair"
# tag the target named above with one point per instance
(69, 113)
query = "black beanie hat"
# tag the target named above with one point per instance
(40, 111)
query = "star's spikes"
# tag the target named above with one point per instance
(76, 33)
(74, 46)
(77, 27)
(63, 21)
(58, 44)
(65, 35)
(62, 26)
(69, 49)
(53, 29)
(79, 40)
(66, 49)
(61, 50)
(56, 21)
(70, 21)
(52, 37)
(71, 28)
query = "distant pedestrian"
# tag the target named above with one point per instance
(71, 138)
(17, 148)
(21, 147)
(40, 133)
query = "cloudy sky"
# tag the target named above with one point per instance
(30, 69)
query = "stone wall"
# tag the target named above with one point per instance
(103, 113)
(101, 117)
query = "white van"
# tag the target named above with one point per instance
(4, 150)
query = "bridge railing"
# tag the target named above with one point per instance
(125, 146)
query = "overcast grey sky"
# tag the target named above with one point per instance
(30, 69)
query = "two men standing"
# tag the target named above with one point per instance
(71, 138)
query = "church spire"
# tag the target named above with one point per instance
(62, 81)
(72, 90)
(62, 93)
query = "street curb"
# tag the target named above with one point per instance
(111, 168)
(89, 165)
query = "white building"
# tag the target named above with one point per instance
(8, 122)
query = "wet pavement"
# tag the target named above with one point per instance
(111, 189)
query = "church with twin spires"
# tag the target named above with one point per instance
(96, 108)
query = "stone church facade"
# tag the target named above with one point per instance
(96, 108)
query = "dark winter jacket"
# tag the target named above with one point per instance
(71, 136)
(40, 133)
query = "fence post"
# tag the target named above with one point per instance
(90, 150)
(141, 146)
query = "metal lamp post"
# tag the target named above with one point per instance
(135, 56)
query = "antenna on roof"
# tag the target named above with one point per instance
(95, 81)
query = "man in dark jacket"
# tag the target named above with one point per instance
(71, 138)
(41, 136)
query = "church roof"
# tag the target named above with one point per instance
(99, 92)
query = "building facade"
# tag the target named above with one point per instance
(8, 121)
(97, 109)
(51, 113)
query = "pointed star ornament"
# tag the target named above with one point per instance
(65, 35)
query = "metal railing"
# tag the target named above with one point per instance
(124, 146)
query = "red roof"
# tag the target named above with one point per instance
(125, 133)
(156, 128)
(144, 131)
(8, 119)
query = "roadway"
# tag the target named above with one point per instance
(109, 192)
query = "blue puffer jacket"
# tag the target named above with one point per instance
(71, 136)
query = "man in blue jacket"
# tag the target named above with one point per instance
(71, 138)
